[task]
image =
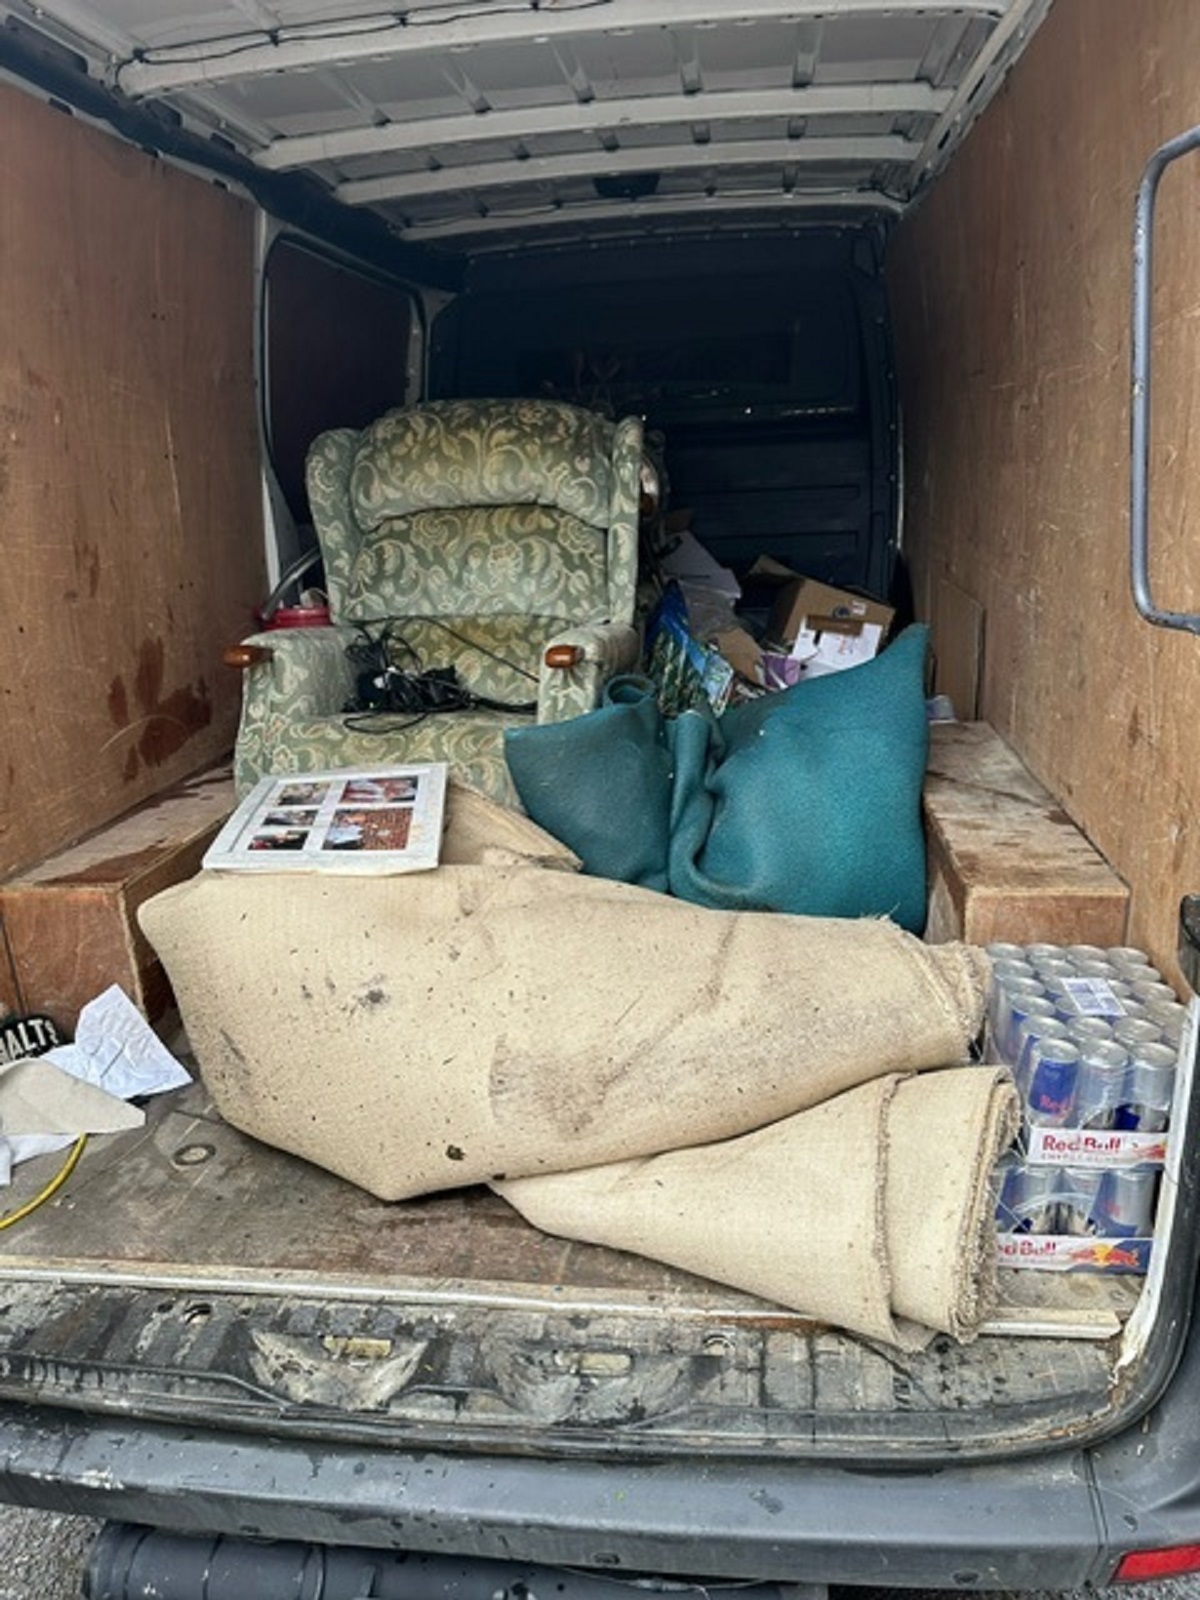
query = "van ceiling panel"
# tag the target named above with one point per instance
(465, 123)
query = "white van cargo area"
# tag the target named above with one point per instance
(866, 275)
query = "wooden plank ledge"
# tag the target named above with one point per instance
(69, 924)
(1005, 861)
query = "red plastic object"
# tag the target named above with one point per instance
(1140, 1565)
(299, 617)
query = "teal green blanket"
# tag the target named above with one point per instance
(806, 801)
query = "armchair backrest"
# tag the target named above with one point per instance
(479, 507)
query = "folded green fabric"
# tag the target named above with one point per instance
(603, 778)
(806, 801)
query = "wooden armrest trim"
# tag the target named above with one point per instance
(246, 655)
(564, 656)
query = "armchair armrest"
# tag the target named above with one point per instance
(306, 669)
(591, 653)
(290, 673)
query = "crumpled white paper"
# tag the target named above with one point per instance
(116, 1050)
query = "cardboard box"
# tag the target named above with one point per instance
(742, 651)
(1062, 1253)
(813, 629)
(804, 605)
(1102, 1148)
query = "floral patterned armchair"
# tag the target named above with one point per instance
(496, 536)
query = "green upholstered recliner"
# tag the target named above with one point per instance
(489, 534)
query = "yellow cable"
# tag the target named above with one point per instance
(55, 1184)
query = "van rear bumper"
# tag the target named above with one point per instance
(1037, 1523)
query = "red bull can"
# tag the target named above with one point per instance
(1087, 952)
(999, 950)
(1078, 1200)
(1126, 955)
(1169, 1016)
(1033, 1027)
(1053, 1077)
(1154, 990)
(1125, 1203)
(1011, 999)
(1149, 1088)
(1087, 1030)
(1029, 1203)
(1101, 1089)
(1136, 1031)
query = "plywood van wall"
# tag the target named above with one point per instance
(1011, 292)
(130, 512)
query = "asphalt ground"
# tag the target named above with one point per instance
(43, 1555)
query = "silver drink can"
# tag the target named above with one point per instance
(1084, 1029)
(1004, 986)
(1032, 1029)
(1127, 955)
(1043, 952)
(1153, 989)
(1056, 966)
(998, 950)
(1149, 1087)
(1078, 1200)
(1012, 1003)
(1005, 971)
(1003, 1182)
(1170, 1016)
(1087, 952)
(1053, 1080)
(1135, 975)
(1097, 969)
(1133, 1032)
(1125, 1204)
(1032, 1198)
(1100, 1091)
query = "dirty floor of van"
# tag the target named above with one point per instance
(213, 1277)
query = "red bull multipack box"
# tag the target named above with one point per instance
(1096, 1042)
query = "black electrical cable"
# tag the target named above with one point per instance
(222, 47)
(392, 680)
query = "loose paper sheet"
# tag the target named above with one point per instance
(47, 1101)
(116, 1049)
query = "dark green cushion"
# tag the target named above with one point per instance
(806, 801)
(603, 779)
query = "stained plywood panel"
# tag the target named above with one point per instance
(130, 514)
(1011, 292)
(957, 636)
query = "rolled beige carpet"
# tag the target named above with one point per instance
(436, 1029)
(873, 1212)
(479, 831)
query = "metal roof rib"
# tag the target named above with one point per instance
(596, 116)
(595, 164)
